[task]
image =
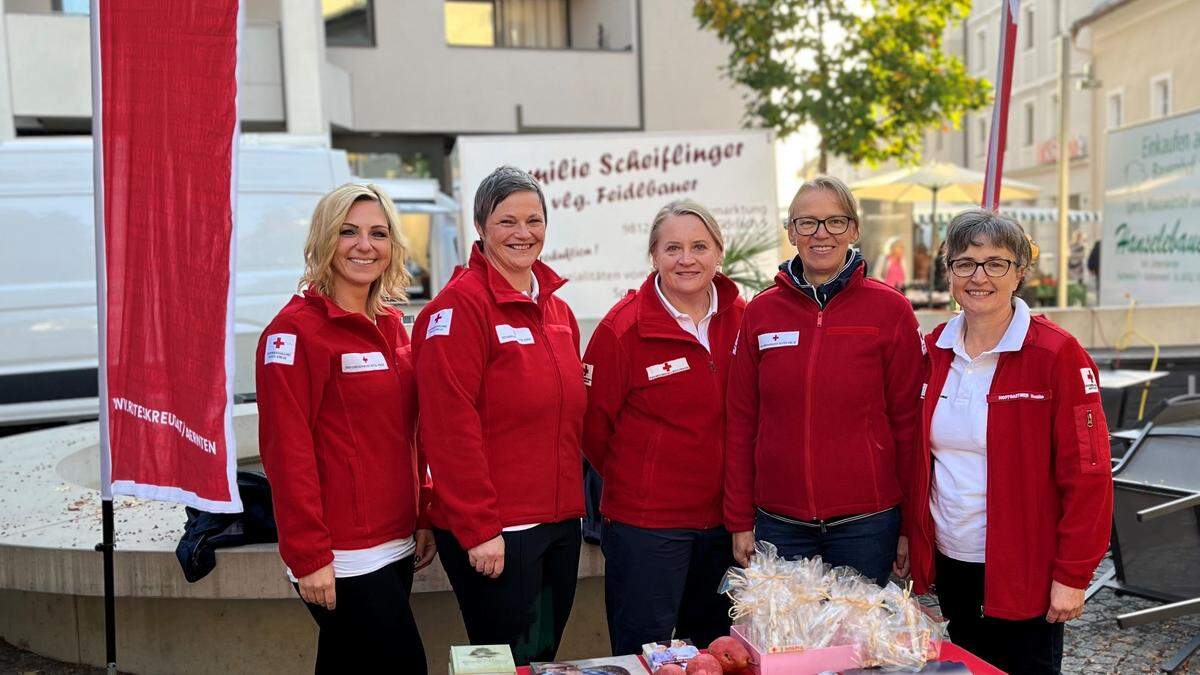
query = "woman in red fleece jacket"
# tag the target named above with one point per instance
(502, 401)
(823, 400)
(655, 428)
(337, 414)
(1012, 504)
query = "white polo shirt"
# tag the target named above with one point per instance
(958, 436)
(696, 330)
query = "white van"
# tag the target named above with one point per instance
(47, 261)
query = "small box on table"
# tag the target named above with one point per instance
(481, 660)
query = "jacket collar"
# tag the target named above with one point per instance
(335, 311)
(851, 275)
(1015, 336)
(653, 319)
(502, 291)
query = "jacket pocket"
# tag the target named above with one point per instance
(1093, 445)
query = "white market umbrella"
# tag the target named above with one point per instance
(928, 182)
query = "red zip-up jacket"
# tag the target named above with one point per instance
(1049, 477)
(502, 403)
(337, 411)
(655, 423)
(822, 404)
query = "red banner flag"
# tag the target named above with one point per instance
(995, 160)
(167, 133)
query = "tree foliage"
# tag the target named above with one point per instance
(870, 75)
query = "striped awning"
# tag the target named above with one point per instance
(1022, 214)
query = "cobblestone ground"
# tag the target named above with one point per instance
(1094, 644)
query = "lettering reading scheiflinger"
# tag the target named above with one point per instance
(165, 417)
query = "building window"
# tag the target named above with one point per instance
(1160, 96)
(1116, 109)
(1054, 113)
(981, 126)
(1027, 27)
(939, 139)
(471, 24)
(349, 23)
(1029, 119)
(1057, 17)
(507, 23)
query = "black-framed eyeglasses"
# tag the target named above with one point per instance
(833, 224)
(964, 268)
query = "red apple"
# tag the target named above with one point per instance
(670, 669)
(730, 653)
(704, 664)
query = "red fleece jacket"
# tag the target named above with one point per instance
(822, 403)
(337, 411)
(502, 403)
(1049, 477)
(655, 424)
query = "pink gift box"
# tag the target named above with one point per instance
(806, 662)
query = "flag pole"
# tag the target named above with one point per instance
(108, 539)
(1009, 10)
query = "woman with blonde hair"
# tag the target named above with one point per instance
(337, 418)
(655, 430)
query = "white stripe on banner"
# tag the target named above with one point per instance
(101, 266)
(996, 137)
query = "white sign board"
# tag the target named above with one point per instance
(1150, 250)
(603, 190)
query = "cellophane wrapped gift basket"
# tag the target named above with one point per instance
(803, 616)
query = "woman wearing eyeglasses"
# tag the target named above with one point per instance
(822, 401)
(1012, 503)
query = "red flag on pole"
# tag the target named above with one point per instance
(167, 133)
(1009, 10)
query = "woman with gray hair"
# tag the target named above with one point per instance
(655, 425)
(502, 402)
(1012, 498)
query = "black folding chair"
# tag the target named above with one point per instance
(1156, 522)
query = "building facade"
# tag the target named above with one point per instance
(1146, 54)
(1031, 147)
(395, 83)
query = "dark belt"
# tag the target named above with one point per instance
(822, 525)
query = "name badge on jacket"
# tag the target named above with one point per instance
(357, 363)
(520, 334)
(789, 338)
(669, 368)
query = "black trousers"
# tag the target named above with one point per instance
(1032, 646)
(527, 606)
(371, 625)
(660, 583)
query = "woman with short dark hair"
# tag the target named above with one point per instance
(502, 403)
(1012, 500)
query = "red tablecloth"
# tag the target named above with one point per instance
(949, 652)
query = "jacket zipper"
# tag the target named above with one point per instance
(1091, 435)
(558, 419)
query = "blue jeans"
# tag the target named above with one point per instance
(868, 545)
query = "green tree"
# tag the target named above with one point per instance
(870, 75)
